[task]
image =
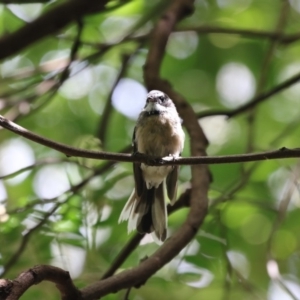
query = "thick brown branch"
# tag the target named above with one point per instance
(13, 290)
(49, 23)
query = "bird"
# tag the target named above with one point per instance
(158, 133)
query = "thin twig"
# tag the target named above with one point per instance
(279, 29)
(25, 239)
(46, 161)
(257, 100)
(282, 209)
(284, 39)
(76, 45)
(247, 33)
(102, 128)
(126, 297)
(74, 189)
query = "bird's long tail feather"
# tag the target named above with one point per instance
(147, 213)
(159, 214)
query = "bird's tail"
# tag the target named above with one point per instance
(147, 213)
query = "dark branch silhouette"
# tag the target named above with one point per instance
(204, 160)
(14, 289)
(48, 23)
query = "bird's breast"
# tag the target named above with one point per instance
(159, 136)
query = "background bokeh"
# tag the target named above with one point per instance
(249, 244)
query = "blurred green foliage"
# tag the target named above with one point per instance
(254, 214)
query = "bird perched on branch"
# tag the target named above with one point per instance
(158, 133)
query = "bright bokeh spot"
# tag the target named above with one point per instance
(51, 182)
(68, 257)
(115, 27)
(277, 182)
(277, 292)
(182, 44)
(105, 212)
(55, 60)
(235, 84)
(15, 154)
(295, 4)
(289, 71)
(218, 129)
(285, 110)
(282, 184)
(3, 215)
(80, 82)
(96, 237)
(191, 249)
(129, 97)
(239, 262)
(12, 67)
(104, 77)
(26, 12)
(3, 194)
(205, 276)
(121, 189)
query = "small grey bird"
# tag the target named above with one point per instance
(158, 133)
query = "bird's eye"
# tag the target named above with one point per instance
(162, 98)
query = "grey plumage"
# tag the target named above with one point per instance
(158, 133)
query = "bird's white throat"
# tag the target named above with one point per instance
(154, 106)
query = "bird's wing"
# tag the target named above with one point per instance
(137, 171)
(171, 182)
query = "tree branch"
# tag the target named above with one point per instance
(48, 23)
(257, 100)
(25, 239)
(247, 33)
(173, 245)
(74, 189)
(154, 161)
(60, 16)
(13, 290)
(102, 128)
